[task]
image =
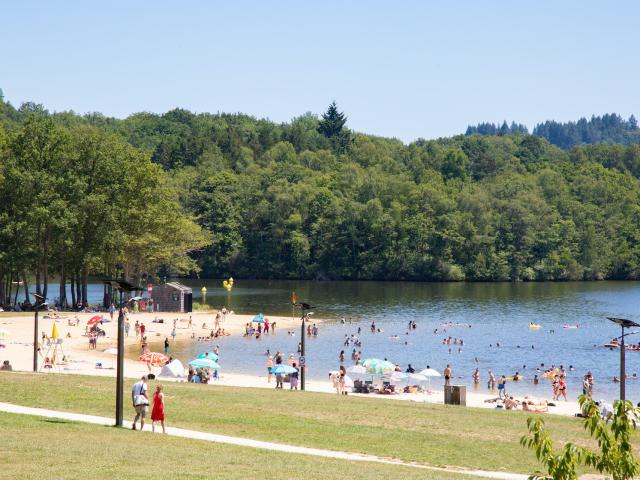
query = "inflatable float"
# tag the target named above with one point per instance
(571, 326)
(534, 326)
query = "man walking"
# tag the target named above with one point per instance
(140, 400)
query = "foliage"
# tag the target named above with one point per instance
(486, 128)
(311, 199)
(81, 201)
(614, 456)
(608, 129)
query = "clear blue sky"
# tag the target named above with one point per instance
(404, 69)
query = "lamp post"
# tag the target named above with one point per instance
(624, 323)
(305, 307)
(40, 301)
(122, 286)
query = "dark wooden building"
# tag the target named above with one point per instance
(172, 297)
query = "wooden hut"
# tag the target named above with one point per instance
(172, 297)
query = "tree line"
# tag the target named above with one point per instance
(81, 201)
(609, 128)
(312, 199)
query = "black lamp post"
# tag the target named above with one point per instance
(623, 324)
(305, 307)
(39, 303)
(122, 286)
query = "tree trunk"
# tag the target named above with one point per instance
(27, 296)
(63, 288)
(85, 281)
(45, 279)
(15, 298)
(73, 291)
(78, 290)
(9, 287)
(38, 286)
(2, 297)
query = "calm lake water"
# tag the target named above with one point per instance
(497, 312)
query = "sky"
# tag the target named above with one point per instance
(405, 69)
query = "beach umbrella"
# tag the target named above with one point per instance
(210, 355)
(154, 358)
(357, 369)
(430, 372)
(377, 367)
(259, 318)
(348, 382)
(283, 369)
(95, 319)
(54, 332)
(204, 363)
(417, 377)
(397, 377)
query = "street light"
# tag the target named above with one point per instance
(624, 323)
(304, 307)
(40, 302)
(122, 286)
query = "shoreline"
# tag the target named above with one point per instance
(19, 350)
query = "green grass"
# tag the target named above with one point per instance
(35, 447)
(424, 433)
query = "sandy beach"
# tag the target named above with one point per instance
(81, 360)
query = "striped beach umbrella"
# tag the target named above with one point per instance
(154, 358)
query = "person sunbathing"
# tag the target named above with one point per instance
(510, 403)
(529, 407)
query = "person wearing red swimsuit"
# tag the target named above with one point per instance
(157, 414)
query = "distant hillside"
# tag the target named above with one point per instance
(609, 128)
(311, 198)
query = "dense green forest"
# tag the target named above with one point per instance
(609, 128)
(83, 201)
(312, 199)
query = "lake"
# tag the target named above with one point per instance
(497, 312)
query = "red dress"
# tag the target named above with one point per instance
(157, 414)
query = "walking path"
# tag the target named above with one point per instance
(246, 442)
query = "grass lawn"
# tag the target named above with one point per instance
(35, 447)
(424, 433)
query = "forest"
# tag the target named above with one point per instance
(610, 128)
(229, 194)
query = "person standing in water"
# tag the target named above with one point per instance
(491, 383)
(269, 368)
(502, 387)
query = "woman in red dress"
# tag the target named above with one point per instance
(157, 414)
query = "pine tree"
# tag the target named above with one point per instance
(332, 121)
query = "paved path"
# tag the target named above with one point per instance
(246, 442)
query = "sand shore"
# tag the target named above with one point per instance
(19, 350)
